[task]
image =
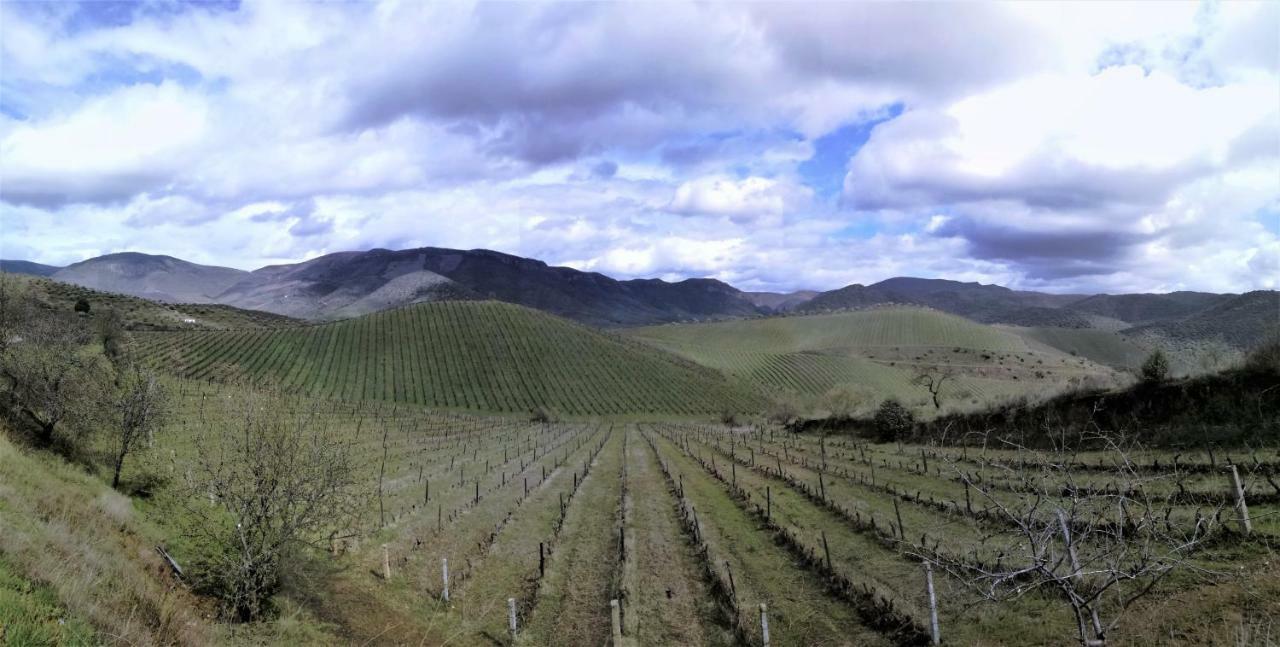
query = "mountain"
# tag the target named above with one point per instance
(350, 283)
(159, 278)
(984, 303)
(341, 285)
(1139, 309)
(780, 301)
(1241, 321)
(27, 267)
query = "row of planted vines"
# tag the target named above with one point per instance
(698, 532)
(482, 356)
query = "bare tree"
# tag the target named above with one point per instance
(932, 378)
(266, 486)
(138, 405)
(1098, 549)
(47, 373)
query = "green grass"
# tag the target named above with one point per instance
(483, 356)
(30, 614)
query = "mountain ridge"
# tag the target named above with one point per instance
(352, 283)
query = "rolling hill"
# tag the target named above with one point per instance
(875, 351)
(1241, 321)
(27, 267)
(158, 278)
(144, 314)
(477, 355)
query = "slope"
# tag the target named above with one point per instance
(144, 314)
(877, 352)
(159, 278)
(350, 283)
(478, 355)
(27, 267)
(1240, 321)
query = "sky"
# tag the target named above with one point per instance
(1075, 147)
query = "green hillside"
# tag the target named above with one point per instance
(882, 327)
(877, 352)
(1102, 346)
(484, 356)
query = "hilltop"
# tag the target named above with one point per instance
(138, 313)
(477, 355)
(159, 278)
(349, 284)
(27, 267)
(875, 352)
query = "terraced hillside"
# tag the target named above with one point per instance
(877, 351)
(477, 355)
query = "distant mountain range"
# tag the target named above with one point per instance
(347, 284)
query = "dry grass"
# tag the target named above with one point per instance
(66, 530)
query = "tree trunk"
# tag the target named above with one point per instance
(115, 480)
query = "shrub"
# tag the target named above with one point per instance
(1265, 357)
(729, 418)
(893, 421)
(82, 305)
(1156, 367)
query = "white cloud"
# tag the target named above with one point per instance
(1061, 145)
(744, 200)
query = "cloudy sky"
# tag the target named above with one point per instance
(1065, 147)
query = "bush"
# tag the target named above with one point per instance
(893, 421)
(1265, 357)
(82, 305)
(729, 418)
(1156, 367)
(542, 414)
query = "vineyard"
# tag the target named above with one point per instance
(697, 531)
(881, 327)
(481, 356)
(875, 351)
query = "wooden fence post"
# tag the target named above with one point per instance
(386, 563)
(1242, 508)
(933, 604)
(511, 617)
(827, 550)
(768, 503)
(444, 576)
(615, 615)
(902, 532)
(764, 624)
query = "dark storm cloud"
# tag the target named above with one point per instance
(1044, 253)
(48, 192)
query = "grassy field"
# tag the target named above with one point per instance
(483, 356)
(876, 352)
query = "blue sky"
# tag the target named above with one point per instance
(1063, 147)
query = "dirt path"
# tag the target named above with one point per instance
(670, 604)
(572, 605)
